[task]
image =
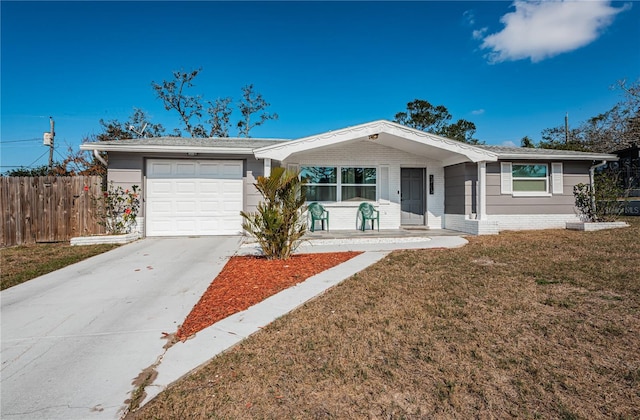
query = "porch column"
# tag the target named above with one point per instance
(481, 202)
(267, 167)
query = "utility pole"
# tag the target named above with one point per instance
(566, 128)
(49, 141)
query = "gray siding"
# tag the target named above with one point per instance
(574, 172)
(253, 169)
(125, 169)
(460, 188)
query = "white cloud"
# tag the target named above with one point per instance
(469, 17)
(479, 33)
(541, 29)
(477, 112)
(508, 143)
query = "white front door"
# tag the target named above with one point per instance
(193, 197)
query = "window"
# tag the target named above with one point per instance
(329, 183)
(530, 178)
(321, 182)
(358, 184)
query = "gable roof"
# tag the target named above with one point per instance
(388, 134)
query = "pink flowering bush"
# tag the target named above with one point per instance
(118, 209)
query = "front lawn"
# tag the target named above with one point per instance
(25, 262)
(542, 324)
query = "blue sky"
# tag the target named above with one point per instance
(513, 68)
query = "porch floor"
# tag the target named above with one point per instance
(403, 232)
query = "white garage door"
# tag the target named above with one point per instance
(193, 197)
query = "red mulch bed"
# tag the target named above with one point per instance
(245, 281)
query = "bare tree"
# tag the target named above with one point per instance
(190, 108)
(173, 95)
(219, 113)
(252, 103)
(137, 125)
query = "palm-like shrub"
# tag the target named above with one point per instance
(278, 223)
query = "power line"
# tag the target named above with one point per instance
(17, 145)
(31, 165)
(18, 141)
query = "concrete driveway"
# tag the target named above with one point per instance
(73, 341)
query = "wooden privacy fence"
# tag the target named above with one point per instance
(48, 208)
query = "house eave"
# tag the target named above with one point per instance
(556, 156)
(153, 149)
(377, 130)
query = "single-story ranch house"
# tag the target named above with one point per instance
(195, 186)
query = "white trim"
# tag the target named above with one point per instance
(530, 194)
(267, 168)
(146, 148)
(557, 182)
(541, 155)
(383, 183)
(482, 191)
(506, 184)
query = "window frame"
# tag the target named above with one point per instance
(351, 184)
(547, 180)
(507, 179)
(322, 184)
(339, 184)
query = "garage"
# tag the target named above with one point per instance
(193, 197)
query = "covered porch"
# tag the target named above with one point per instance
(397, 169)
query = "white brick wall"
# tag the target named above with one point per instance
(366, 153)
(497, 223)
(435, 202)
(463, 223)
(533, 221)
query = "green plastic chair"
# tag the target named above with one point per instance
(367, 212)
(317, 212)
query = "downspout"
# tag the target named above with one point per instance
(592, 171)
(96, 154)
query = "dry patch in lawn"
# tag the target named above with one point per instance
(542, 324)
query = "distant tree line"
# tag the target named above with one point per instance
(616, 129)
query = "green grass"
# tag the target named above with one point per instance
(540, 324)
(25, 262)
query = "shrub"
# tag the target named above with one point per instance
(599, 204)
(118, 209)
(278, 225)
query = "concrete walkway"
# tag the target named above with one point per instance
(75, 339)
(183, 357)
